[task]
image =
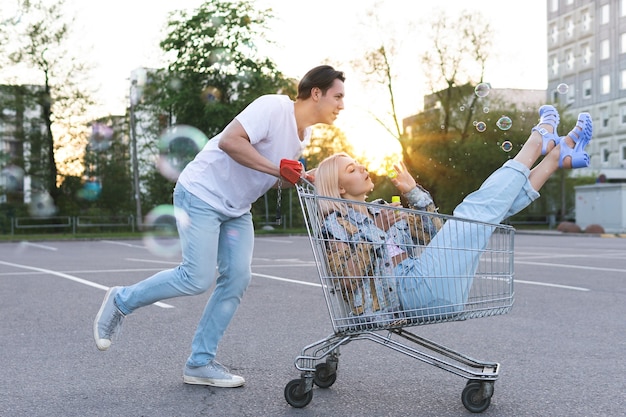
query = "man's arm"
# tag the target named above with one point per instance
(236, 143)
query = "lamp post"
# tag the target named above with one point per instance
(134, 96)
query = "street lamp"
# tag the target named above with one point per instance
(134, 98)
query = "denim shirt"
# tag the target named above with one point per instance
(381, 242)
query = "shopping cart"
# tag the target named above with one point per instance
(470, 267)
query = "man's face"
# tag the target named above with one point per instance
(331, 103)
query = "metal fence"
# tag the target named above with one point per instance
(73, 224)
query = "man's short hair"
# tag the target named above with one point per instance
(321, 77)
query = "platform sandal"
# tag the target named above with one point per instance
(581, 135)
(548, 115)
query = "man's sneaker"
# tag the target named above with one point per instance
(108, 321)
(214, 374)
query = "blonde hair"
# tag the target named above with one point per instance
(327, 183)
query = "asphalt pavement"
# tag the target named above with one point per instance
(562, 347)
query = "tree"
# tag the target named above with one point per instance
(215, 71)
(442, 145)
(38, 44)
(325, 141)
(460, 53)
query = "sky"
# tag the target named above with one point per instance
(117, 36)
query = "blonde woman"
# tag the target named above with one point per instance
(454, 251)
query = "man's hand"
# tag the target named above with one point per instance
(291, 170)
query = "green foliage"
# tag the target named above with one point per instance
(158, 191)
(325, 141)
(106, 186)
(38, 45)
(215, 72)
(452, 165)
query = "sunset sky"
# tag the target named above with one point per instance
(120, 35)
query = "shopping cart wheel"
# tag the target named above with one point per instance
(294, 395)
(325, 375)
(477, 395)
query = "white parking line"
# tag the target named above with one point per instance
(545, 284)
(37, 245)
(71, 278)
(293, 281)
(591, 268)
(128, 245)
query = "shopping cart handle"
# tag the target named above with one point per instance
(304, 181)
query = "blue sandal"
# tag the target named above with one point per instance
(548, 115)
(581, 135)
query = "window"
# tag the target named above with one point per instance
(622, 81)
(605, 51)
(554, 33)
(604, 13)
(605, 154)
(586, 53)
(587, 89)
(622, 114)
(569, 27)
(569, 59)
(554, 66)
(605, 84)
(622, 8)
(554, 5)
(623, 154)
(604, 115)
(586, 20)
(622, 43)
(571, 94)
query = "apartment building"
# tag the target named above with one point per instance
(21, 124)
(587, 72)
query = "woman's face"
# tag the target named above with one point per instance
(354, 181)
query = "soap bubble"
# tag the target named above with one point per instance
(178, 145)
(160, 231)
(91, 190)
(481, 126)
(562, 88)
(41, 204)
(211, 95)
(100, 138)
(506, 146)
(12, 179)
(504, 123)
(482, 89)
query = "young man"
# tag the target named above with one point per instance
(216, 191)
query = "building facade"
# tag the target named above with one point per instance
(21, 128)
(587, 72)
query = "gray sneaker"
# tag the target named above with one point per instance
(108, 321)
(214, 374)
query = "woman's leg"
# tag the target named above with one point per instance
(555, 154)
(438, 283)
(444, 273)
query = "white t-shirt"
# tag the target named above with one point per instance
(228, 186)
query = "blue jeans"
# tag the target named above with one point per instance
(439, 280)
(209, 240)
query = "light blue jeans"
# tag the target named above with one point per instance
(210, 240)
(439, 280)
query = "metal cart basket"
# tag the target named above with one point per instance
(376, 288)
